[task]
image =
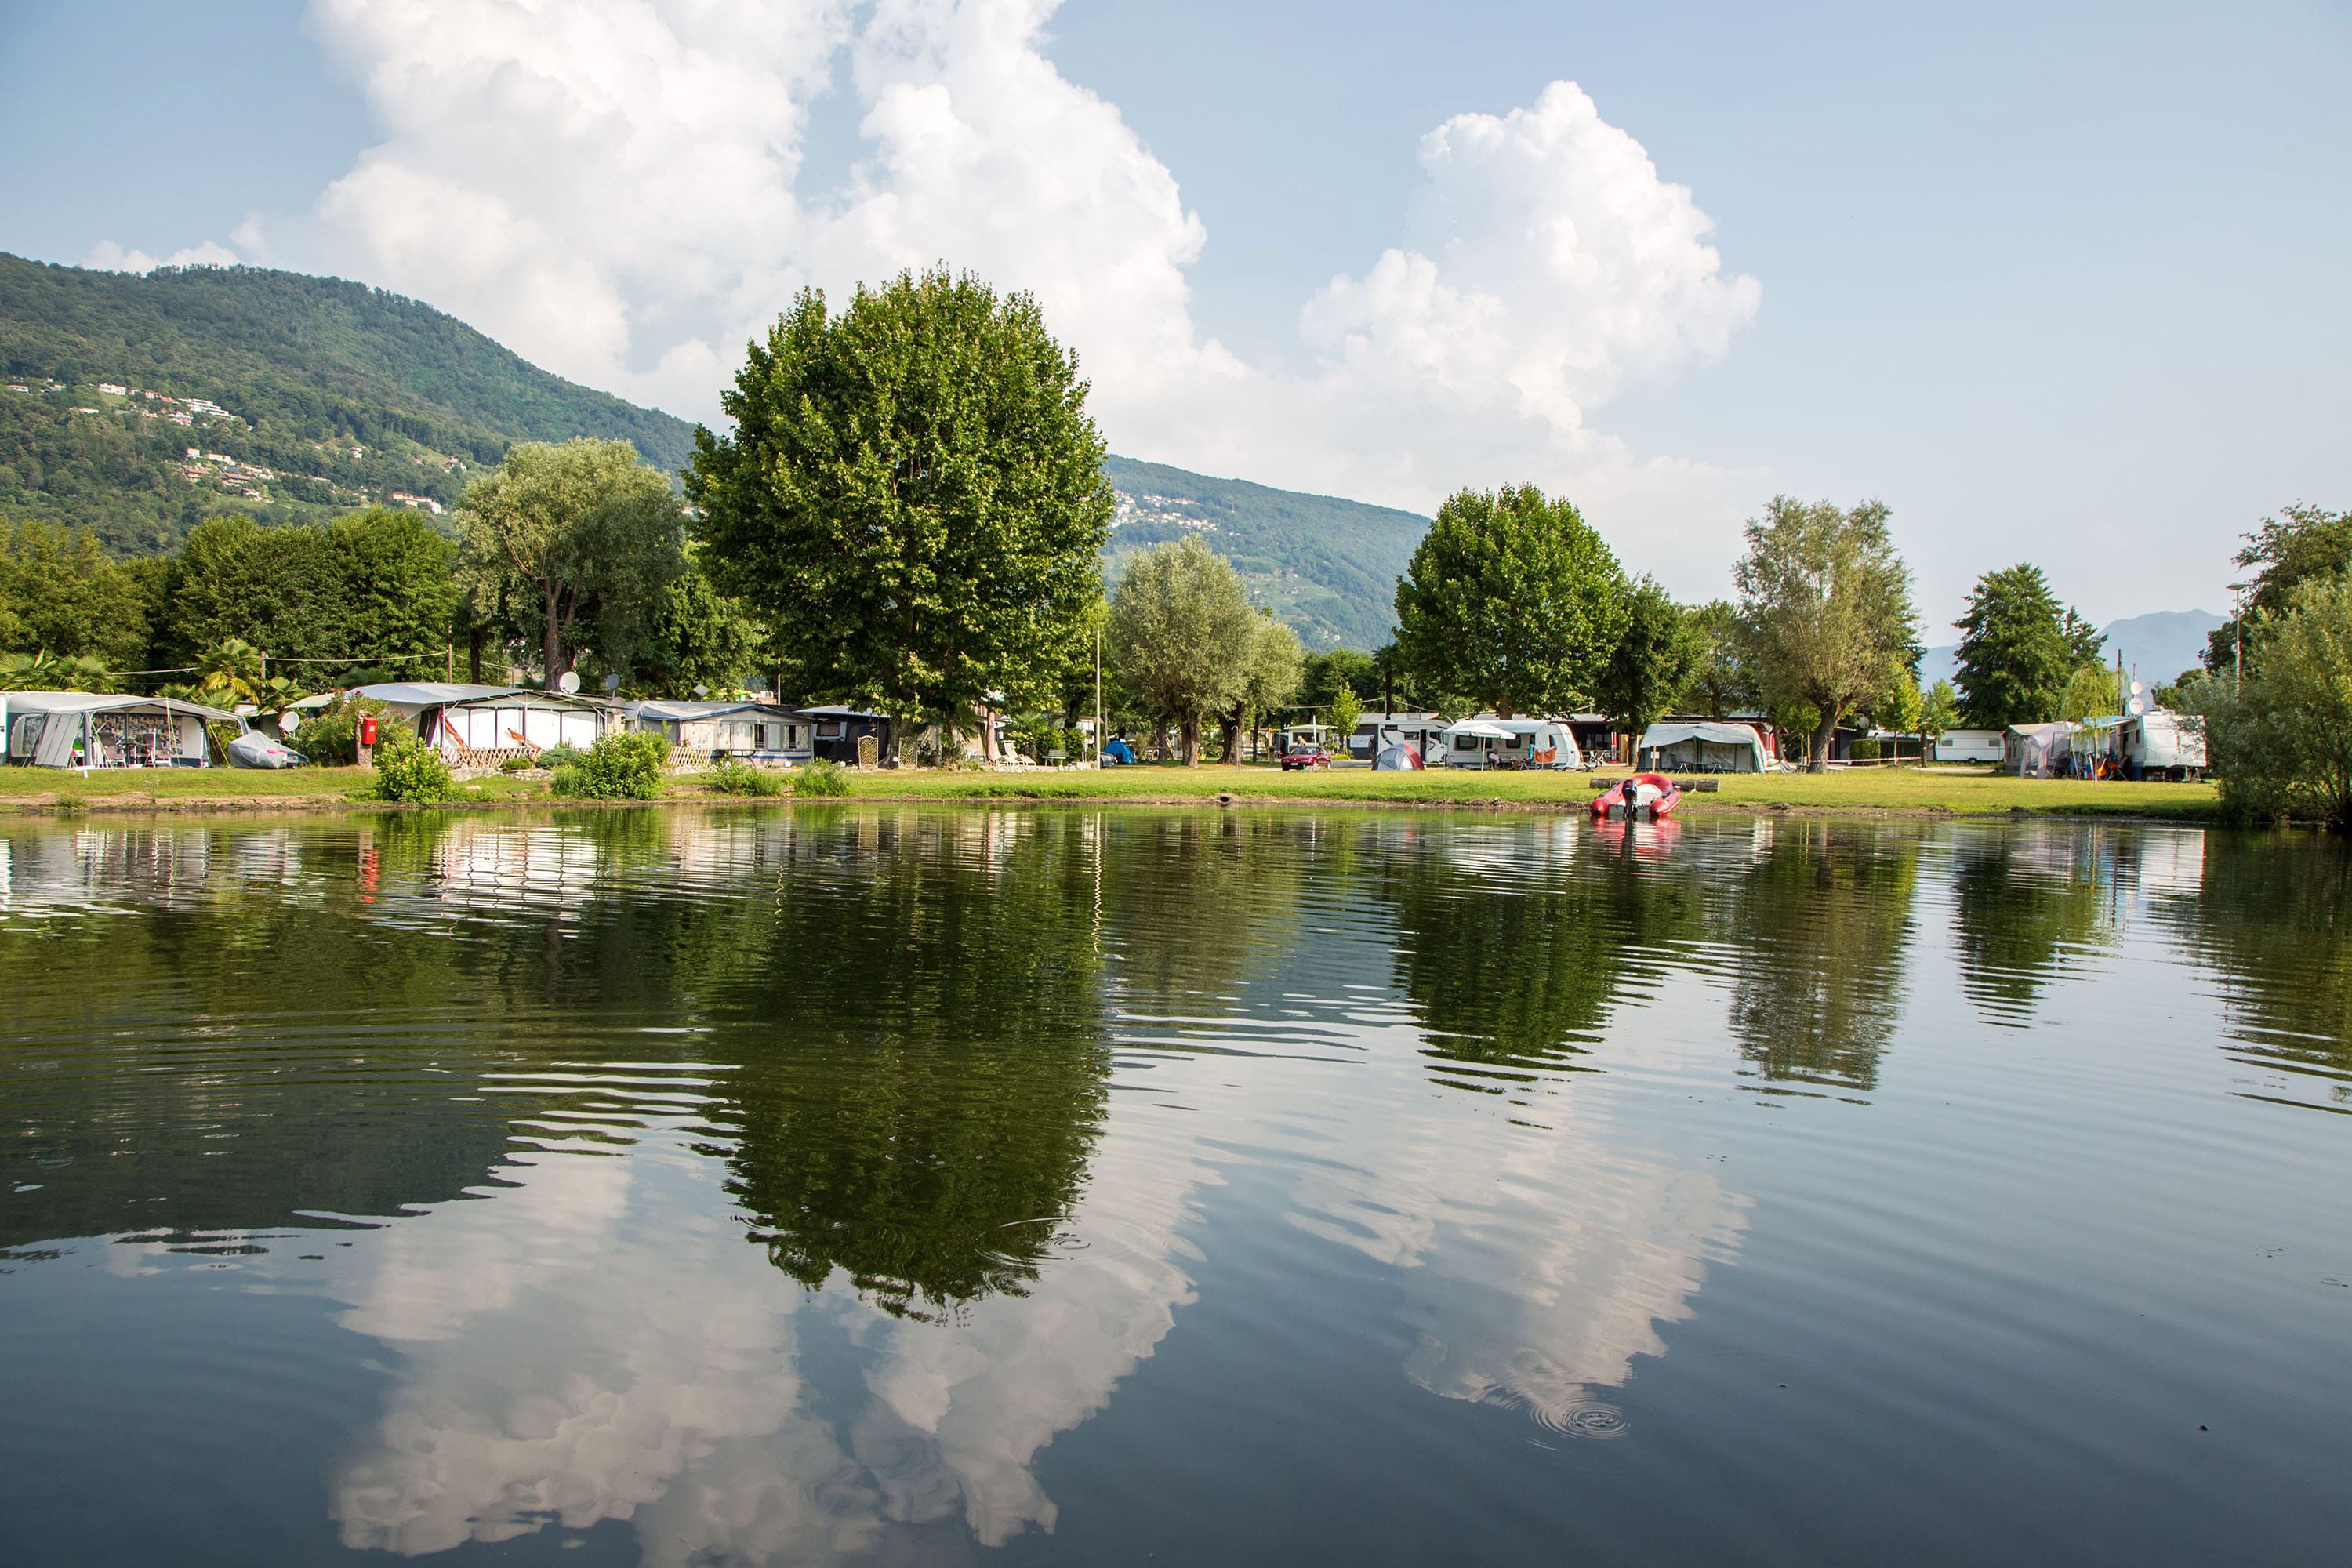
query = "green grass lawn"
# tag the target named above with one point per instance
(1857, 790)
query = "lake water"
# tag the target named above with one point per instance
(933, 1186)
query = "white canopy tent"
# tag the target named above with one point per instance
(1702, 748)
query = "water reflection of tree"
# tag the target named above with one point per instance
(925, 1119)
(1511, 962)
(2273, 921)
(2024, 904)
(1818, 926)
(1198, 905)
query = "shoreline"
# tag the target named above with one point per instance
(2003, 802)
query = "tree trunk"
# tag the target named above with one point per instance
(1502, 711)
(1229, 733)
(1188, 730)
(1824, 739)
(551, 644)
(474, 637)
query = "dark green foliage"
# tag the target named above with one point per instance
(62, 595)
(310, 367)
(2018, 650)
(620, 766)
(912, 499)
(1653, 662)
(699, 637)
(2302, 542)
(820, 780)
(1321, 675)
(1718, 687)
(1325, 567)
(375, 586)
(331, 736)
(1512, 600)
(409, 771)
(742, 778)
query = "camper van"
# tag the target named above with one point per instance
(2161, 745)
(1485, 742)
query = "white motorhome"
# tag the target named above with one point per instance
(2161, 744)
(1490, 742)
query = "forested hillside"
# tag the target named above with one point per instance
(1327, 567)
(299, 397)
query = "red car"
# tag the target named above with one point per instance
(1305, 757)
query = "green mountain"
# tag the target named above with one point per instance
(1327, 567)
(300, 397)
(134, 406)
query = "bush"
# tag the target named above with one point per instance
(518, 764)
(560, 756)
(331, 737)
(407, 769)
(1865, 749)
(2281, 743)
(617, 767)
(741, 778)
(821, 778)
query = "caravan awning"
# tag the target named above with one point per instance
(1743, 737)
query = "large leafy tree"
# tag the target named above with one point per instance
(577, 540)
(63, 596)
(912, 499)
(1719, 686)
(1181, 634)
(1654, 661)
(1825, 611)
(1271, 678)
(2281, 740)
(1512, 600)
(2284, 552)
(2018, 648)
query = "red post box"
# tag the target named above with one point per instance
(367, 729)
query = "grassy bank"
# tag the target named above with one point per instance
(1851, 792)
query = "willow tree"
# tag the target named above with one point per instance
(912, 498)
(578, 540)
(1182, 636)
(1826, 615)
(1512, 600)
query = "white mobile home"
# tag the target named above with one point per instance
(97, 730)
(2162, 744)
(757, 731)
(453, 716)
(1969, 746)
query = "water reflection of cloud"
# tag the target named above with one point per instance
(556, 1368)
(1536, 1262)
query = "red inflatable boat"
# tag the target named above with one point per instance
(1651, 795)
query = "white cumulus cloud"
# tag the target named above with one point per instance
(615, 189)
(108, 256)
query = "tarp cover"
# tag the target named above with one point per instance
(1703, 748)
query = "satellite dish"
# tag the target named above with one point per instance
(288, 721)
(2137, 688)
(569, 683)
(702, 691)
(612, 684)
(2139, 705)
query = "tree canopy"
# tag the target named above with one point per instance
(577, 540)
(1512, 600)
(2302, 542)
(1719, 686)
(2281, 740)
(1825, 611)
(912, 499)
(63, 596)
(1654, 661)
(1181, 634)
(2018, 650)
(1270, 679)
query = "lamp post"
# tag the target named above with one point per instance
(2238, 633)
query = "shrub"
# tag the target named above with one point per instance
(1865, 749)
(407, 769)
(560, 756)
(617, 767)
(331, 737)
(821, 778)
(741, 778)
(518, 764)
(2281, 742)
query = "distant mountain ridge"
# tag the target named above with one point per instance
(302, 397)
(2155, 647)
(1327, 567)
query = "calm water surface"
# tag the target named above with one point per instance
(932, 1186)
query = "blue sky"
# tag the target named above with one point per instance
(2059, 283)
